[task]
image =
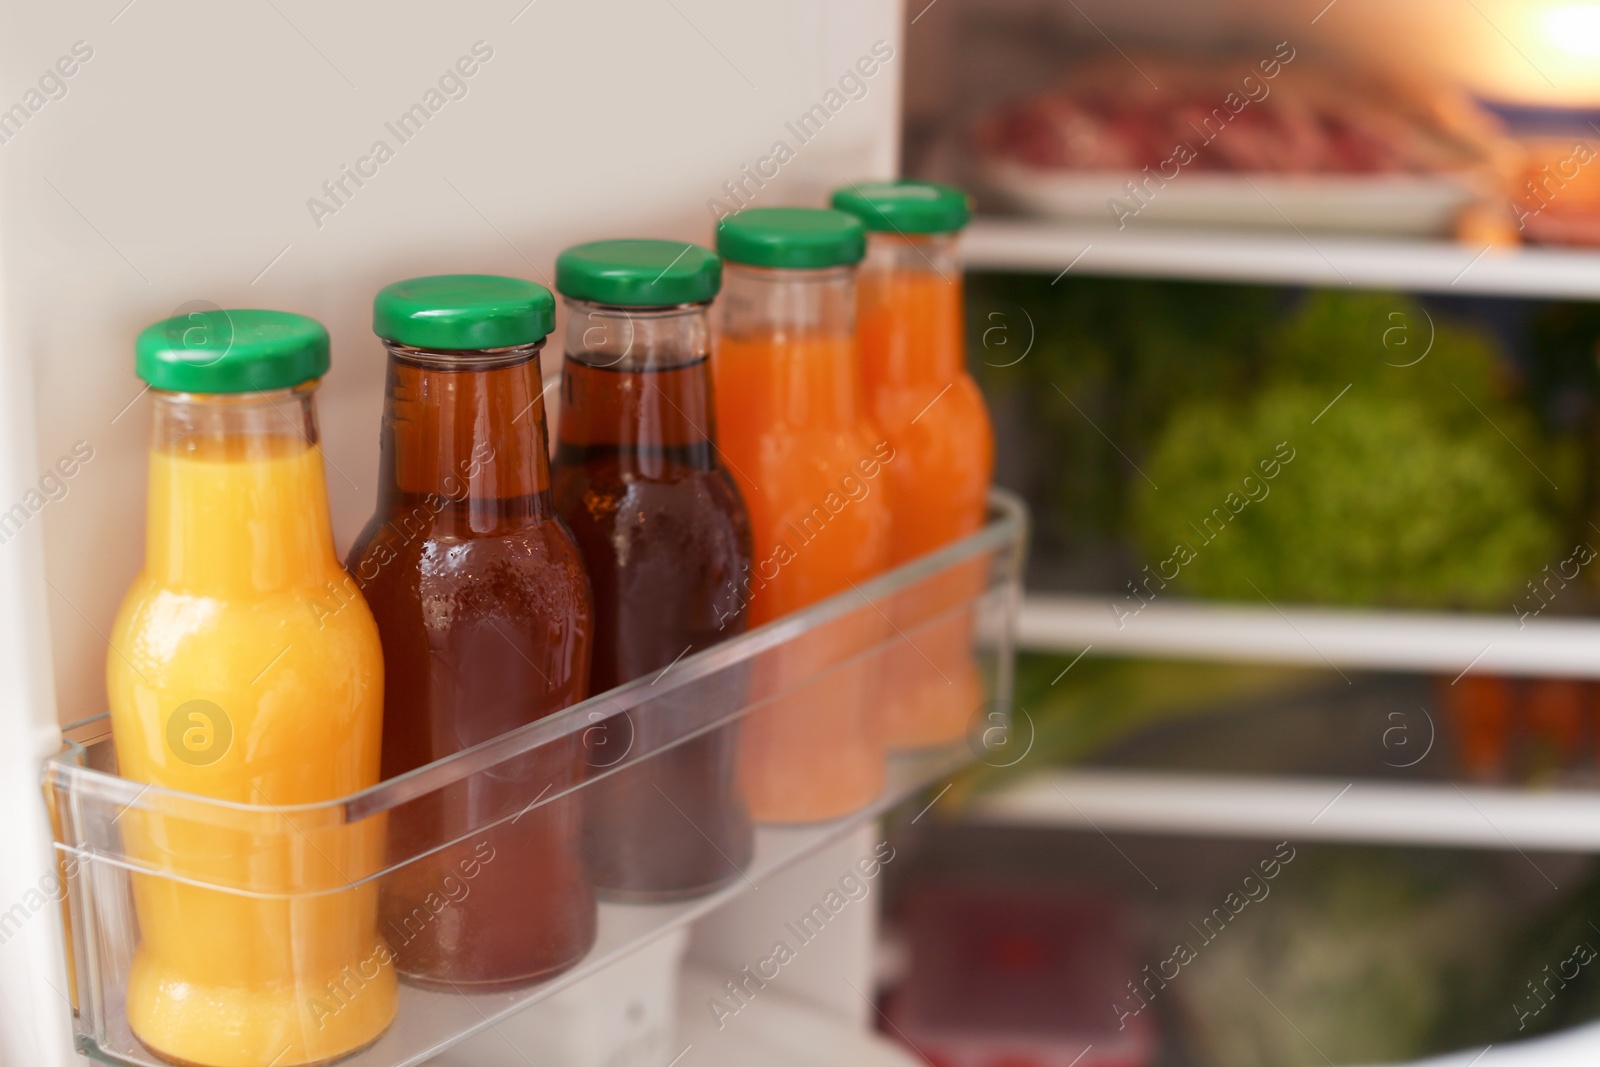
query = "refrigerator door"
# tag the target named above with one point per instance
(159, 157)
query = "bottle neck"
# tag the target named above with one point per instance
(464, 439)
(911, 328)
(787, 348)
(635, 386)
(238, 504)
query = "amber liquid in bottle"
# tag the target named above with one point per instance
(484, 613)
(665, 538)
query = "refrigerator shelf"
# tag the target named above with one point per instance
(1240, 256)
(284, 870)
(1364, 758)
(1435, 642)
(1435, 814)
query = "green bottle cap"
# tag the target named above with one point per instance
(639, 273)
(239, 351)
(791, 237)
(905, 206)
(463, 312)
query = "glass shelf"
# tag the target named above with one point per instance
(1257, 257)
(1263, 753)
(1314, 636)
(172, 895)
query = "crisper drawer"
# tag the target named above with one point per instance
(277, 923)
(1030, 947)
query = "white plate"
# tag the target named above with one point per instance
(1420, 205)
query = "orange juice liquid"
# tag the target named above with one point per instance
(229, 677)
(913, 375)
(811, 471)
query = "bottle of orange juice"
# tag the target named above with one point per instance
(914, 377)
(227, 681)
(809, 464)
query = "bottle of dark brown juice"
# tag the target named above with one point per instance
(665, 538)
(486, 620)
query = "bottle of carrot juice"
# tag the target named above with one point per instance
(226, 682)
(808, 460)
(916, 385)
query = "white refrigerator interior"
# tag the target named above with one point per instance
(164, 156)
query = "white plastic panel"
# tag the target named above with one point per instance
(178, 167)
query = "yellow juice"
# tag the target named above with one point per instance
(244, 667)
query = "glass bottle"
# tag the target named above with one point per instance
(225, 682)
(808, 460)
(486, 620)
(915, 382)
(666, 539)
